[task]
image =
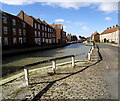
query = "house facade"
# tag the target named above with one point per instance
(14, 31)
(95, 37)
(40, 32)
(111, 34)
(60, 34)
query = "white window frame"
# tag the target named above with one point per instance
(20, 32)
(38, 26)
(5, 40)
(38, 34)
(14, 40)
(14, 31)
(13, 22)
(35, 33)
(24, 32)
(35, 25)
(5, 30)
(4, 19)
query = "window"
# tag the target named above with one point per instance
(5, 41)
(14, 31)
(13, 21)
(42, 34)
(38, 26)
(45, 28)
(5, 30)
(4, 19)
(24, 25)
(42, 27)
(20, 40)
(36, 33)
(38, 41)
(45, 35)
(43, 39)
(46, 40)
(20, 32)
(24, 32)
(35, 26)
(14, 40)
(24, 40)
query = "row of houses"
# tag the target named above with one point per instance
(25, 30)
(110, 34)
(71, 37)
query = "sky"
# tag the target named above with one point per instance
(78, 18)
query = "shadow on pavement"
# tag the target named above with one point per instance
(39, 95)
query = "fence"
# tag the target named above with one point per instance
(54, 63)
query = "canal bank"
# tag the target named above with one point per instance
(80, 82)
(11, 52)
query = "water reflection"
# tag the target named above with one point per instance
(77, 48)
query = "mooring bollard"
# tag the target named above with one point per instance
(89, 56)
(26, 76)
(73, 61)
(54, 65)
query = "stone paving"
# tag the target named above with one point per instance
(80, 82)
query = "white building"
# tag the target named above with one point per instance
(110, 34)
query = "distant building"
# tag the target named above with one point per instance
(95, 37)
(71, 37)
(111, 34)
(74, 38)
(60, 34)
(82, 38)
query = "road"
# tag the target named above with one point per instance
(109, 68)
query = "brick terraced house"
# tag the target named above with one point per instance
(39, 31)
(24, 30)
(14, 31)
(60, 34)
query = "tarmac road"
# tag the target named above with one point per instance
(109, 67)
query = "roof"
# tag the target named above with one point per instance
(93, 34)
(60, 26)
(110, 30)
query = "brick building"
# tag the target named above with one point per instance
(39, 31)
(14, 31)
(60, 34)
(95, 37)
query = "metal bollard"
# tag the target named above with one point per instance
(54, 65)
(26, 76)
(73, 61)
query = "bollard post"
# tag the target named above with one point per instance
(54, 65)
(89, 56)
(26, 76)
(73, 61)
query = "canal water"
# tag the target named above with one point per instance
(21, 60)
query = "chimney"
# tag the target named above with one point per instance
(113, 26)
(110, 27)
(38, 19)
(107, 28)
(116, 25)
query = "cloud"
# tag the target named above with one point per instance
(59, 20)
(108, 18)
(65, 27)
(107, 6)
(85, 28)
